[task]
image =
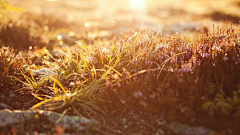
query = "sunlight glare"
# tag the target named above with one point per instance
(51, 0)
(139, 7)
(59, 37)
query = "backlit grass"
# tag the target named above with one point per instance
(188, 80)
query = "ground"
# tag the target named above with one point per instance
(58, 24)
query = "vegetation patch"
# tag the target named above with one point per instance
(139, 82)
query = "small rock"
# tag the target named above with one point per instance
(4, 106)
(184, 129)
(44, 72)
(68, 39)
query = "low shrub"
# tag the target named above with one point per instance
(11, 65)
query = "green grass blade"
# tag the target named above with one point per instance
(41, 103)
(49, 54)
(93, 105)
(55, 80)
(36, 96)
(33, 80)
(110, 59)
(84, 61)
(30, 82)
(54, 88)
(134, 43)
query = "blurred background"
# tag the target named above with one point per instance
(159, 12)
(73, 20)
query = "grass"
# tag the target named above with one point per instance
(194, 81)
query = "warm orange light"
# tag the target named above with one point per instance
(139, 7)
(59, 37)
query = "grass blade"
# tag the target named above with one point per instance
(55, 80)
